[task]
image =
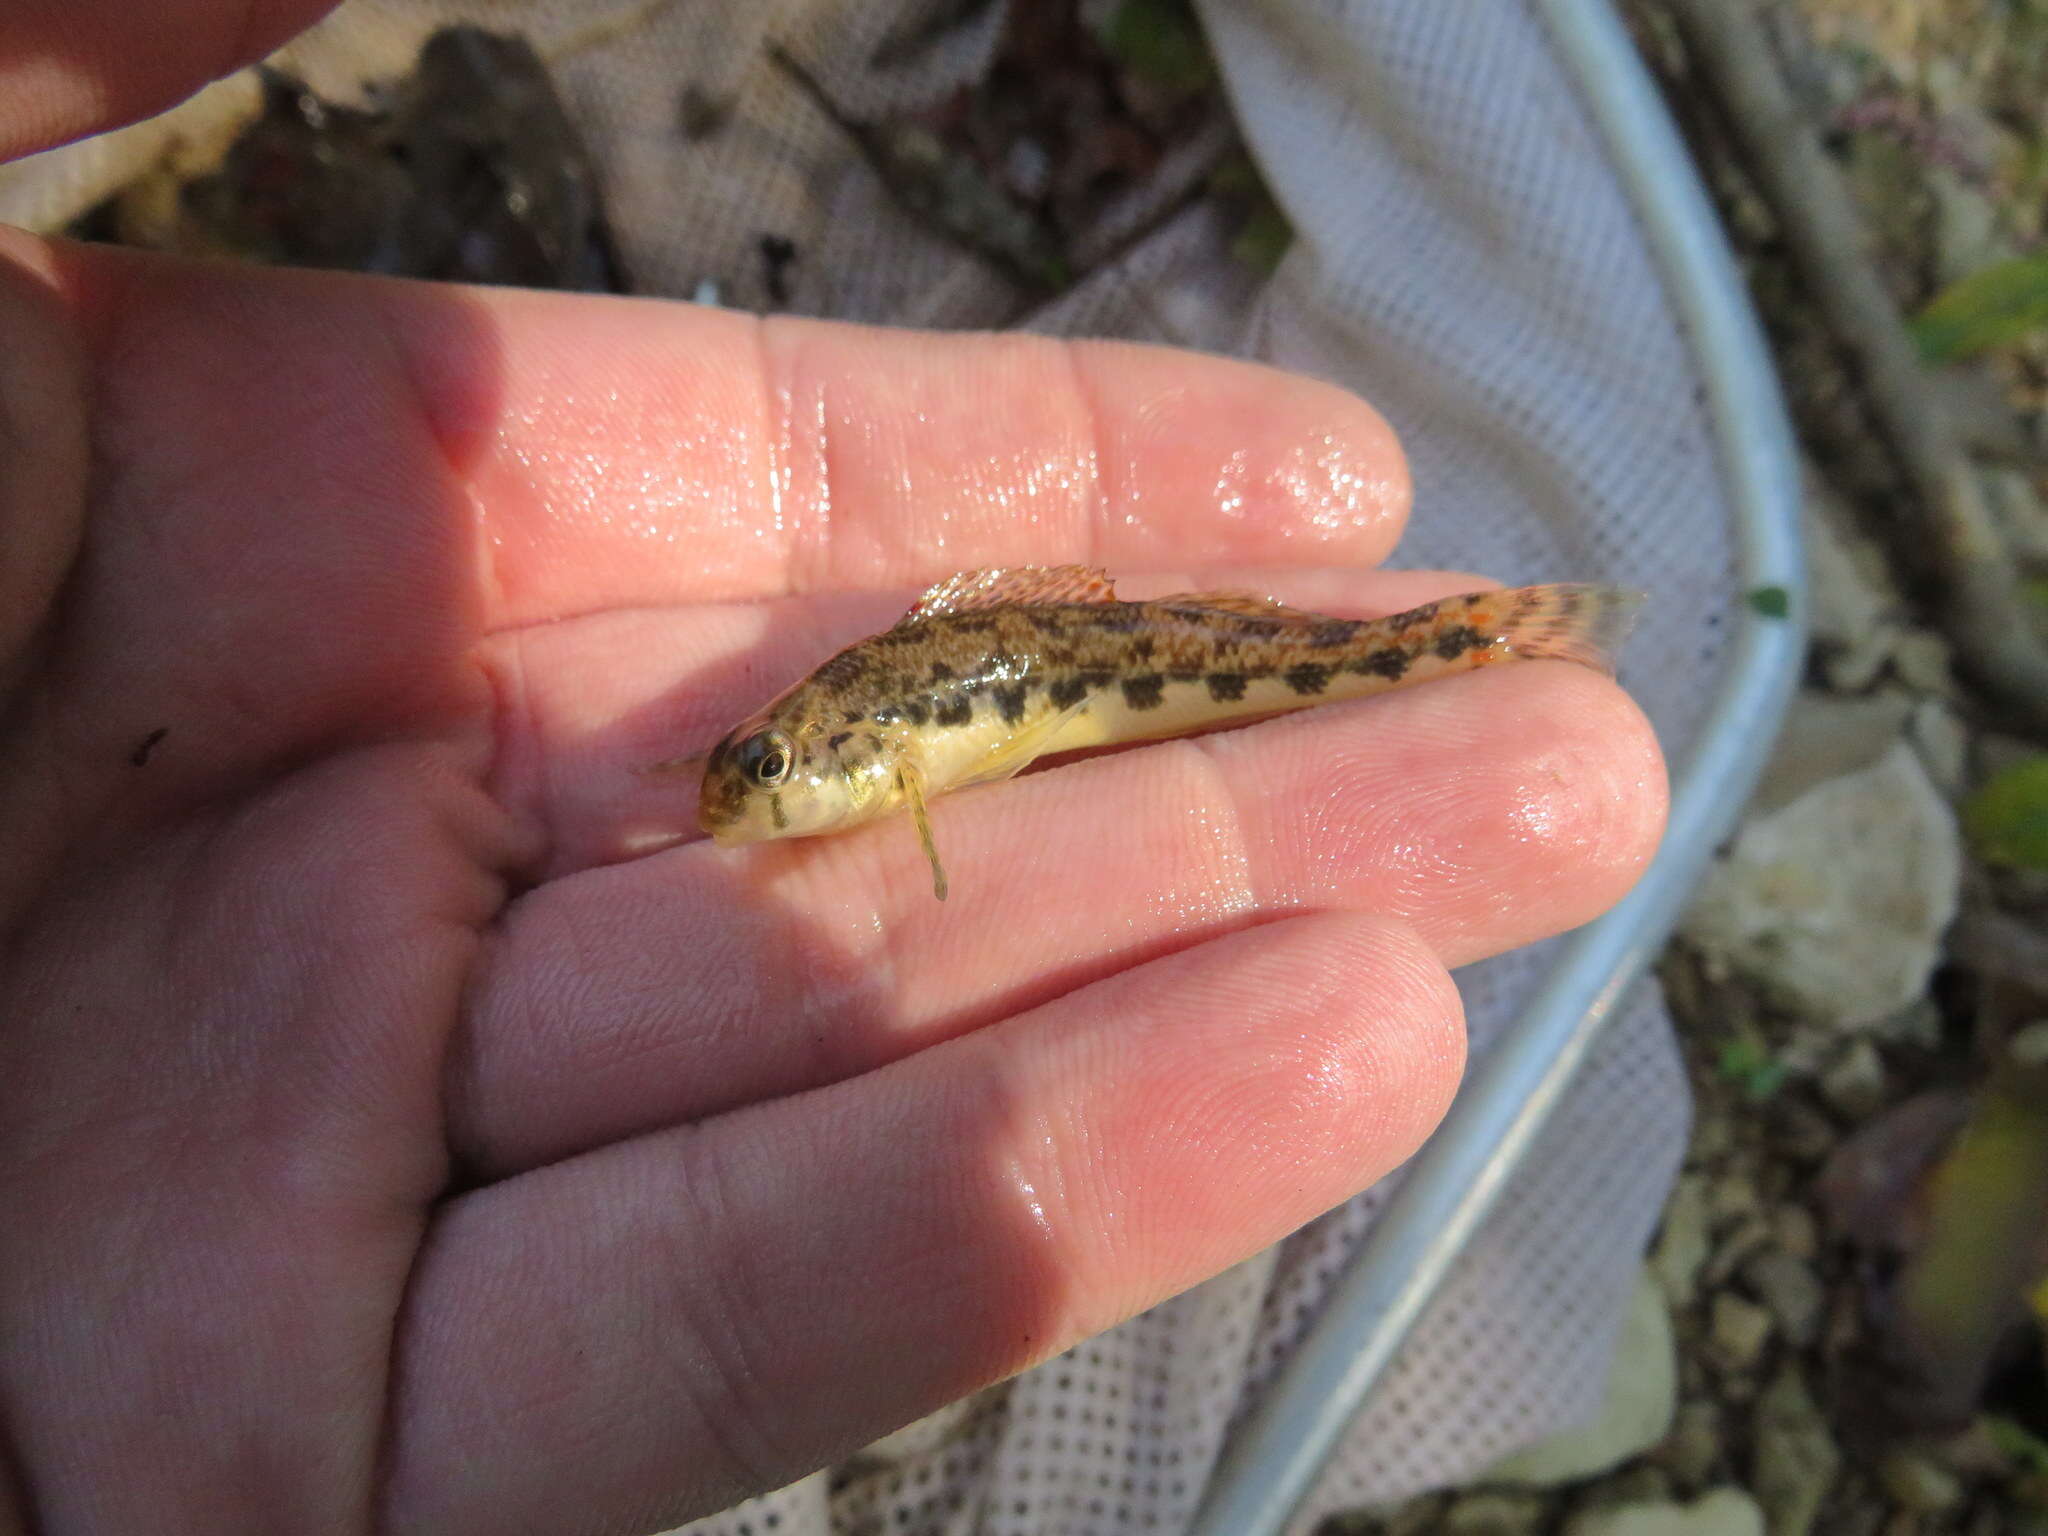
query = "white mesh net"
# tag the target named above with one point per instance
(1464, 259)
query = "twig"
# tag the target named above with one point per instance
(1971, 576)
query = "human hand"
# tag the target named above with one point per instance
(383, 1146)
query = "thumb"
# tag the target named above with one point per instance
(73, 67)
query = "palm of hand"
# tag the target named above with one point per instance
(380, 1145)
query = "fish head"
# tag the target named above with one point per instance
(775, 777)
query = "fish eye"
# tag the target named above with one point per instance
(765, 758)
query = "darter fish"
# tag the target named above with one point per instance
(991, 670)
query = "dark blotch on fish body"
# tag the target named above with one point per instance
(1068, 691)
(1010, 699)
(1144, 691)
(1308, 677)
(1457, 640)
(1390, 662)
(1226, 687)
(954, 709)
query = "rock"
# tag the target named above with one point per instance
(1494, 1514)
(1644, 1483)
(1794, 1230)
(1692, 1450)
(2021, 513)
(1749, 1235)
(1801, 1132)
(1791, 1291)
(1724, 1512)
(1827, 735)
(1836, 903)
(1854, 1082)
(1713, 1135)
(1944, 747)
(1919, 1024)
(1737, 1331)
(1795, 1461)
(1849, 595)
(1682, 1244)
(1635, 1413)
(1919, 1482)
(1413, 1517)
(2028, 1046)
(1921, 659)
(1966, 234)
(1733, 1197)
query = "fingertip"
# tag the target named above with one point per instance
(1246, 1087)
(1595, 793)
(1284, 460)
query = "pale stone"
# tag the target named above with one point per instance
(1920, 1483)
(1836, 903)
(1682, 1245)
(1635, 1411)
(1938, 736)
(1796, 1231)
(1849, 594)
(1854, 1082)
(1693, 1448)
(1827, 735)
(1494, 1513)
(1737, 1331)
(1724, 1512)
(2028, 1046)
(1791, 1291)
(1796, 1460)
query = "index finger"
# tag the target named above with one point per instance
(673, 453)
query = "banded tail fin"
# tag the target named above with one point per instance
(1581, 622)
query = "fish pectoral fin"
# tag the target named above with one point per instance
(1016, 584)
(1023, 748)
(1247, 604)
(910, 778)
(675, 767)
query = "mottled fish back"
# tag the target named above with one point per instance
(994, 669)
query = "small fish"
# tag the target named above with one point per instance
(991, 670)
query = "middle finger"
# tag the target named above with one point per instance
(1487, 810)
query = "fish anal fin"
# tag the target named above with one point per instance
(1021, 584)
(1245, 604)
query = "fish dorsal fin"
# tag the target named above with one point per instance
(1247, 604)
(1016, 584)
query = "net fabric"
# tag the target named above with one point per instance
(1464, 259)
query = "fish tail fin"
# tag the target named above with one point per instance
(1582, 622)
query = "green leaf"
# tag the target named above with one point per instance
(1747, 1063)
(2008, 818)
(1992, 308)
(1160, 41)
(1771, 602)
(1263, 240)
(2016, 1441)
